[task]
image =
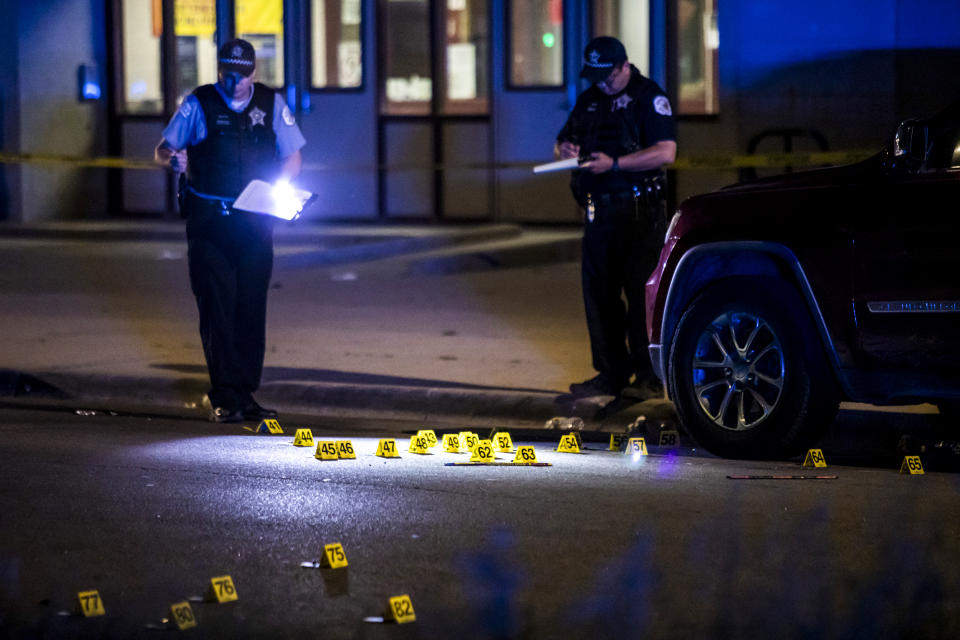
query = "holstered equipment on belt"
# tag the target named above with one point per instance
(648, 193)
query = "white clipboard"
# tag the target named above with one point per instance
(280, 200)
(559, 165)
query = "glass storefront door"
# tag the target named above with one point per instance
(434, 89)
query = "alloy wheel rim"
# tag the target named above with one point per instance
(738, 371)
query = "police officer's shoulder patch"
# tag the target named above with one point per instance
(186, 107)
(288, 118)
(662, 106)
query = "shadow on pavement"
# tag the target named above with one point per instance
(881, 438)
(331, 376)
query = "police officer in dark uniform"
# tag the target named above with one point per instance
(223, 136)
(622, 130)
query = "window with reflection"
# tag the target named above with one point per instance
(462, 54)
(142, 86)
(536, 43)
(336, 45)
(465, 57)
(629, 22)
(941, 140)
(698, 41)
(407, 79)
(196, 51)
(260, 22)
(195, 31)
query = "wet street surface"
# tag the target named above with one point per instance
(147, 509)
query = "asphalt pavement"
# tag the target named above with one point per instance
(374, 330)
(150, 510)
(474, 323)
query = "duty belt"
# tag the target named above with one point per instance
(222, 204)
(647, 193)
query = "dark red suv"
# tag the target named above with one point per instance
(773, 300)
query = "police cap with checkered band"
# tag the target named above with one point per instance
(237, 56)
(600, 57)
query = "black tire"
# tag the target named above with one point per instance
(776, 397)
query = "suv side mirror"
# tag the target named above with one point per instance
(909, 149)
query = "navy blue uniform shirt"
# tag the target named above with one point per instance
(635, 118)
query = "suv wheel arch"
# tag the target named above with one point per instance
(707, 264)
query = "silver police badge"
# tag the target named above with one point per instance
(621, 102)
(257, 116)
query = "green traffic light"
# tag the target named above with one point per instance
(549, 40)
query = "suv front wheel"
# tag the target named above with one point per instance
(747, 373)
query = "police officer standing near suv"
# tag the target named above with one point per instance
(223, 136)
(622, 130)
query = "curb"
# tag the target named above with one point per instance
(185, 395)
(468, 406)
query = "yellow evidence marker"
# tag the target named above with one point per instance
(669, 438)
(222, 589)
(814, 459)
(483, 452)
(326, 450)
(333, 556)
(451, 443)
(503, 442)
(568, 444)
(345, 450)
(400, 610)
(419, 445)
(270, 426)
(387, 448)
(617, 439)
(912, 465)
(468, 440)
(182, 615)
(303, 438)
(525, 455)
(90, 603)
(636, 447)
(431, 437)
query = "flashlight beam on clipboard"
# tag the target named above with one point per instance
(559, 165)
(280, 199)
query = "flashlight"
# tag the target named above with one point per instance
(287, 203)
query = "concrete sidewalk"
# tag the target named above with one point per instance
(475, 324)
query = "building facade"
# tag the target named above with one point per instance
(435, 110)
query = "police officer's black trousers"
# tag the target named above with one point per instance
(621, 247)
(231, 260)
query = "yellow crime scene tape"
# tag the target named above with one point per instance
(807, 159)
(77, 161)
(684, 162)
